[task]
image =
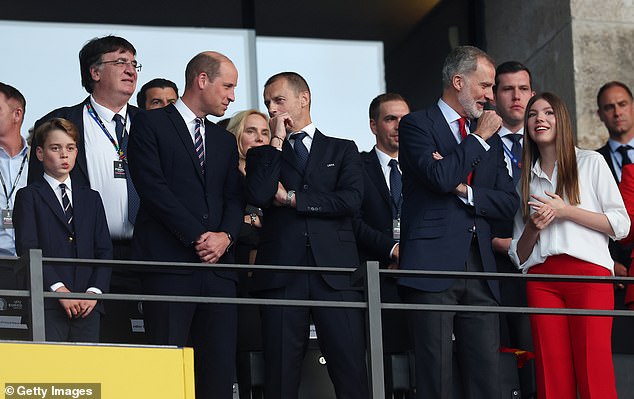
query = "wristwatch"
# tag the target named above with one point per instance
(289, 197)
(230, 241)
(254, 218)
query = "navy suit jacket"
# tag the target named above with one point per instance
(373, 224)
(40, 222)
(437, 226)
(75, 114)
(328, 196)
(178, 201)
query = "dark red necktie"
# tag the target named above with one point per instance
(462, 123)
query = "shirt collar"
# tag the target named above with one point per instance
(308, 129)
(54, 183)
(384, 159)
(449, 113)
(23, 152)
(613, 144)
(504, 131)
(187, 114)
(104, 113)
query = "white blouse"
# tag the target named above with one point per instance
(598, 193)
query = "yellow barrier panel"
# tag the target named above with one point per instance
(79, 371)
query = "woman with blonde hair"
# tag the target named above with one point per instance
(570, 207)
(251, 128)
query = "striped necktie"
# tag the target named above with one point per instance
(198, 143)
(66, 205)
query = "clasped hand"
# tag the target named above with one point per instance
(546, 209)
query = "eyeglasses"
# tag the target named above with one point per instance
(123, 63)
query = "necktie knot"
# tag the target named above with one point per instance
(299, 136)
(515, 138)
(393, 163)
(623, 150)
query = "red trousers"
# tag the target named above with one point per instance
(572, 352)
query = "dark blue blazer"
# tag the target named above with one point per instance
(40, 222)
(436, 225)
(178, 201)
(373, 224)
(75, 114)
(329, 194)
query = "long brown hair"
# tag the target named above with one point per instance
(567, 173)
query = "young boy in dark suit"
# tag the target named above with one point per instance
(64, 221)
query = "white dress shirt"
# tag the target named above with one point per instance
(54, 183)
(384, 161)
(100, 158)
(598, 193)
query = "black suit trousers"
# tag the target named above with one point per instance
(340, 332)
(477, 338)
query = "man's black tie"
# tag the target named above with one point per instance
(301, 152)
(134, 202)
(396, 187)
(623, 151)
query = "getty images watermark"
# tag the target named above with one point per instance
(51, 390)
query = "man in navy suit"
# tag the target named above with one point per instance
(64, 220)
(185, 169)
(377, 226)
(309, 186)
(109, 74)
(454, 182)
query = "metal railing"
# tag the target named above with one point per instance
(369, 274)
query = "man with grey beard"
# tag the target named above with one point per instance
(455, 182)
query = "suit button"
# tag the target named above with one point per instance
(484, 212)
(205, 216)
(305, 186)
(71, 238)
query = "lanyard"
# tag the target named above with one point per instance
(95, 116)
(514, 160)
(15, 183)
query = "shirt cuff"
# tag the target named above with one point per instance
(469, 199)
(392, 250)
(482, 142)
(56, 286)
(94, 290)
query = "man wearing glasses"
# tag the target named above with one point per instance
(109, 74)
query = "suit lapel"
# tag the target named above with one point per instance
(211, 151)
(185, 137)
(605, 151)
(77, 116)
(81, 209)
(288, 154)
(48, 196)
(447, 141)
(374, 170)
(317, 150)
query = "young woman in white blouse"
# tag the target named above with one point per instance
(570, 206)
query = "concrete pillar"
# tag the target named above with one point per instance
(572, 47)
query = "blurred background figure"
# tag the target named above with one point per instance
(157, 93)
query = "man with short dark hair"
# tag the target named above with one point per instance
(615, 108)
(512, 90)
(13, 171)
(454, 183)
(377, 226)
(157, 93)
(186, 171)
(309, 186)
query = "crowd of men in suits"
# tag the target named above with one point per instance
(171, 191)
